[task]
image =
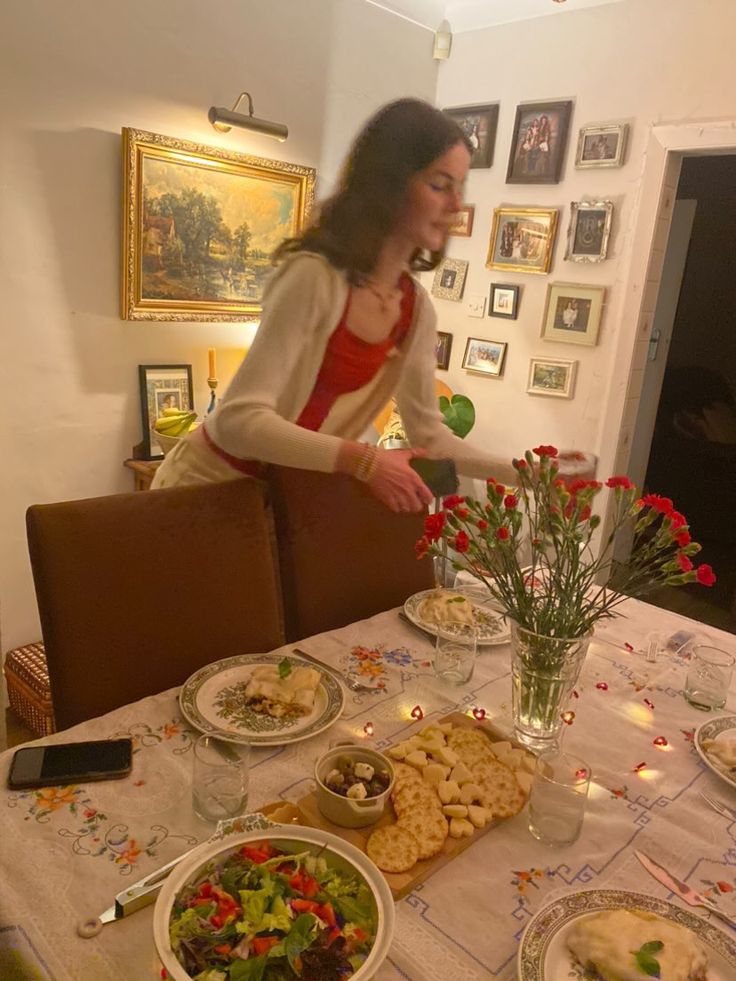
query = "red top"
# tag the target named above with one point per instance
(349, 363)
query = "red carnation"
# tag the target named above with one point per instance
(677, 520)
(577, 485)
(461, 513)
(545, 450)
(452, 501)
(619, 482)
(683, 538)
(510, 501)
(502, 534)
(433, 525)
(684, 562)
(482, 524)
(520, 464)
(705, 575)
(658, 503)
(585, 513)
(421, 547)
(462, 542)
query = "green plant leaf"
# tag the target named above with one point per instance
(646, 962)
(458, 414)
(284, 668)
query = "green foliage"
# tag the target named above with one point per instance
(458, 413)
(645, 961)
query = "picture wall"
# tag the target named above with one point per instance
(522, 241)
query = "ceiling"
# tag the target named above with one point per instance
(471, 15)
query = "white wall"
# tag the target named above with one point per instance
(73, 74)
(641, 61)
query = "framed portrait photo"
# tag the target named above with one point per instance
(199, 226)
(443, 348)
(163, 386)
(522, 239)
(539, 142)
(552, 377)
(602, 146)
(589, 231)
(479, 123)
(503, 301)
(484, 357)
(462, 223)
(449, 279)
(573, 313)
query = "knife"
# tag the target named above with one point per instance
(682, 889)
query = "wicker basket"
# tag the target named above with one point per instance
(29, 691)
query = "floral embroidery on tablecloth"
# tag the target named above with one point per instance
(524, 878)
(619, 793)
(143, 736)
(717, 888)
(374, 666)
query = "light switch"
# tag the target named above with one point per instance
(476, 306)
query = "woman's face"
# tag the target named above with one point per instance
(435, 195)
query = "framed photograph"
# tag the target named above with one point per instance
(163, 386)
(573, 313)
(485, 357)
(602, 146)
(503, 301)
(444, 346)
(555, 378)
(589, 231)
(449, 279)
(479, 123)
(539, 142)
(462, 223)
(199, 226)
(522, 239)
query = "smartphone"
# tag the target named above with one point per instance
(46, 766)
(439, 475)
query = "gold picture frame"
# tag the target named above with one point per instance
(199, 225)
(522, 239)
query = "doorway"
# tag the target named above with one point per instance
(684, 442)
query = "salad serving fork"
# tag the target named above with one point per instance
(344, 678)
(723, 809)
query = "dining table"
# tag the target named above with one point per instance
(65, 851)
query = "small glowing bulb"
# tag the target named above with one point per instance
(479, 713)
(602, 686)
(639, 767)
(568, 717)
(649, 705)
(581, 774)
(417, 713)
(660, 741)
(368, 728)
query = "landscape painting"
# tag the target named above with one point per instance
(201, 225)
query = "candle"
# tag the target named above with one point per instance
(213, 363)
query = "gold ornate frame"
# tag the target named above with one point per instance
(139, 146)
(542, 215)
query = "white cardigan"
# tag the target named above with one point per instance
(255, 419)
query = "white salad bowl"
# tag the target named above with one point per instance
(290, 838)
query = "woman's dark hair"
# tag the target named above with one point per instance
(402, 139)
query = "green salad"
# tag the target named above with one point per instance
(267, 915)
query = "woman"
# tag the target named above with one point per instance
(345, 326)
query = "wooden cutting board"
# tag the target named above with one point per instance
(402, 883)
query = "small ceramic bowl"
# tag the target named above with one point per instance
(345, 811)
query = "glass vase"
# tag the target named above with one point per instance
(544, 671)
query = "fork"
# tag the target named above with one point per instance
(348, 682)
(723, 809)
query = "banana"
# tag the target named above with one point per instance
(176, 412)
(175, 425)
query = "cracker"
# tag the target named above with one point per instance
(405, 774)
(411, 798)
(393, 849)
(499, 789)
(428, 827)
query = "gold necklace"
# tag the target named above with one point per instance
(384, 297)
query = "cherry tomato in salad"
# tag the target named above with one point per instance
(261, 945)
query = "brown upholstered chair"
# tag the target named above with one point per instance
(137, 591)
(343, 555)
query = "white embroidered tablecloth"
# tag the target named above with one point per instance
(64, 853)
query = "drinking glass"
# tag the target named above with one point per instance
(558, 795)
(220, 778)
(454, 654)
(708, 677)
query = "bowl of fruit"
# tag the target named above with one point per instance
(169, 428)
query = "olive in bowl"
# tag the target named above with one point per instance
(353, 784)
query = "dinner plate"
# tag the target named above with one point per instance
(712, 729)
(493, 627)
(543, 953)
(212, 700)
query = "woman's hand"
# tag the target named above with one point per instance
(396, 485)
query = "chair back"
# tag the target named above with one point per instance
(137, 591)
(343, 555)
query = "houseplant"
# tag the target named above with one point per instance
(554, 601)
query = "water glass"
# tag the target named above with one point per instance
(558, 795)
(708, 677)
(454, 654)
(220, 778)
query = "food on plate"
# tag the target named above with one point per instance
(449, 782)
(393, 849)
(723, 751)
(633, 944)
(357, 780)
(282, 690)
(266, 913)
(444, 607)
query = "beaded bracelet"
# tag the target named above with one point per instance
(367, 464)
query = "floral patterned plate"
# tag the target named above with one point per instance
(713, 729)
(492, 625)
(543, 953)
(212, 701)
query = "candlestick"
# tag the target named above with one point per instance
(212, 382)
(211, 354)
